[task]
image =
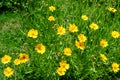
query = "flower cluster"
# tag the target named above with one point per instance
(52, 9)
(72, 28)
(62, 68)
(23, 58)
(81, 41)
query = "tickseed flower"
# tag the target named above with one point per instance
(61, 30)
(80, 45)
(111, 9)
(6, 59)
(61, 71)
(73, 28)
(51, 18)
(8, 72)
(103, 43)
(23, 57)
(40, 48)
(115, 67)
(94, 26)
(103, 57)
(82, 37)
(64, 65)
(84, 17)
(115, 34)
(52, 8)
(17, 61)
(67, 51)
(33, 33)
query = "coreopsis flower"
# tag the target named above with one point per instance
(17, 61)
(33, 33)
(23, 57)
(84, 17)
(51, 18)
(52, 8)
(67, 51)
(40, 48)
(73, 28)
(115, 34)
(103, 57)
(61, 71)
(61, 30)
(80, 45)
(8, 72)
(82, 38)
(111, 9)
(6, 59)
(103, 43)
(115, 67)
(94, 26)
(64, 65)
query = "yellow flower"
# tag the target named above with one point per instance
(23, 57)
(61, 30)
(73, 28)
(94, 26)
(6, 59)
(61, 71)
(103, 57)
(84, 17)
(33, 33)
(103, 43)
(115, 67)
(80, 45)
(64, 65)
(67, 51)
(8, 72)
(52, 8)
(51, 18)
(115, 34)
(82, 38)
(40, 48)
(112, 9)
(17, 62)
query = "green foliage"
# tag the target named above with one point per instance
(13, 5)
